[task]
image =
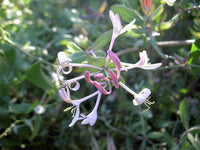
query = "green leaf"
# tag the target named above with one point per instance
(194, 56)
(195, 46)
(37, 124)
(32, 106)
(20, 108)
(168, 24)
(3, 111)
(78, 57)
(11, 56)
(157, 12)
(183, 108)
(195, 142)
(35, 75)
(168, 140)
(97, 61)
(127, 14)
(102, 40)
(73, 48)
(155, 135)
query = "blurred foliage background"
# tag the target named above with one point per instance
(31, 112)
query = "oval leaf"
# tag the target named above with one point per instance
(157, 12)
(168, 24)
(35, 75)
(127, 14)
(102, 40)
(183, 108)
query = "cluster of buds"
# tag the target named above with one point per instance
(104, 79)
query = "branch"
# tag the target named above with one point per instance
(175, 43)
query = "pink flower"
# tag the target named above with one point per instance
(116, 61)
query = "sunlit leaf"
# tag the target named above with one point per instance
(157, 12)
(127, 14)
(194, 142)
(168, 24)
(102, 40)
(35, 75)
(194, 56)
(73, 48)
(78, 57)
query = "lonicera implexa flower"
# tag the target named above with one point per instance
(104, 79)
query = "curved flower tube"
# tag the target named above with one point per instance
(101, 88)
(101, 76)
(114, 79)
(116, 61)
(117, 27)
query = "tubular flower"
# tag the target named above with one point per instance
(92, 117)
(143, 97)
(116, 61)
(76, 113)
(143, 62)
(117, 27)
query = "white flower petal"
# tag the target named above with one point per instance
(135, 102)
(151, 66)
(62, 58)
(76, 87)
(128, 26)
(76, 117)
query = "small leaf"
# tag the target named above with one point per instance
(35, 75)
(37, 124)
(102, 40)
(78, 57)
(196, 45)
(168, 140)
(127, 14)
(32, 106)
(183, 108)
(73, 48)
(195, 143)
(157, 12)
(97, 61)
(3, 111)
(155, 135)
(20, 108)
(168, 24)
(194, 56)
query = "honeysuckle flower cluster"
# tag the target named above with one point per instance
(104, 79)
